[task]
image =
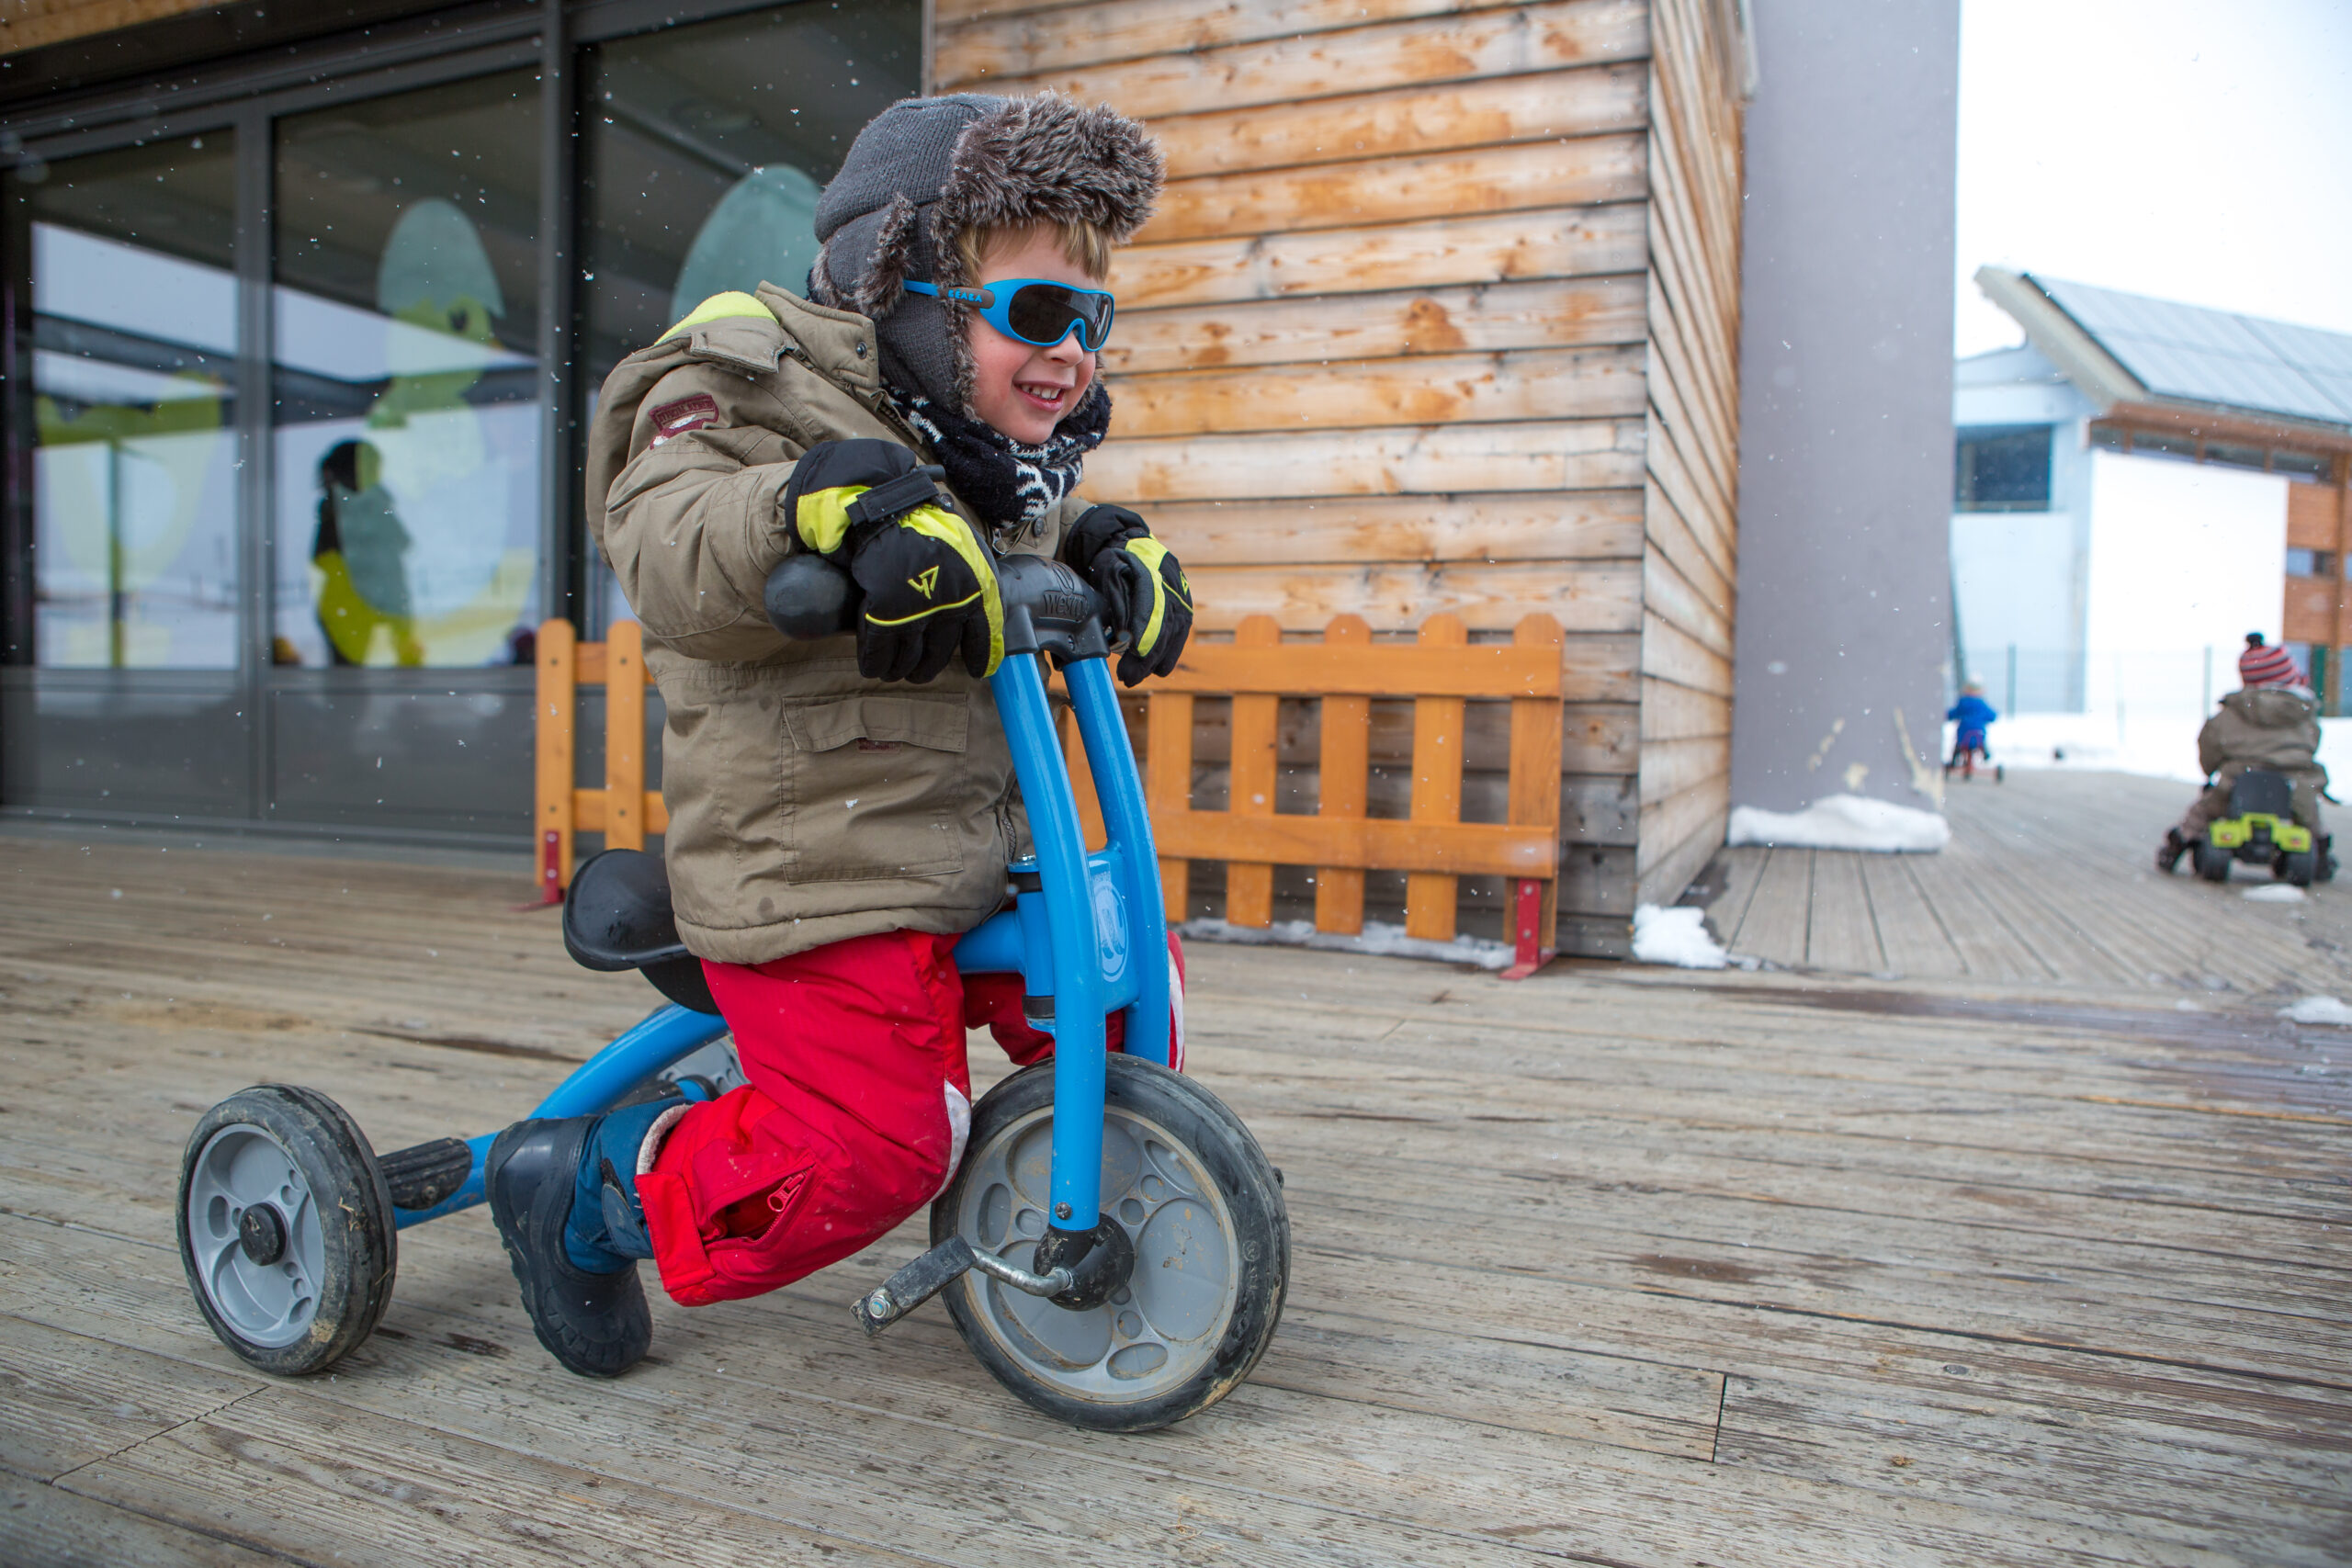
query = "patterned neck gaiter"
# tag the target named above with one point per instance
(1012, 486)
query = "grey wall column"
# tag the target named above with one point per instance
(561, 568)
(1845, 472)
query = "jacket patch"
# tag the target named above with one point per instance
(686, 413)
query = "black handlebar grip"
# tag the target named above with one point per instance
(808, 597)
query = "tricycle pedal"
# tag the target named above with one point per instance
(914, 1284)
(424, 1173)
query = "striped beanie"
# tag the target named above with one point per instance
(2260, 666)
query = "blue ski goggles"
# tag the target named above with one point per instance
(1035, 311)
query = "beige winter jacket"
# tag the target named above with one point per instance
(807, 803)
(2262, 726)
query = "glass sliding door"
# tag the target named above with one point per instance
(128, 594)
(405, 455)
(703, 149)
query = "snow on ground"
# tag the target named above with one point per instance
(2275, 893)
(1378, 938)
(2318, 1009)
(1843, 822)
(1676, 936)
(2161, 746)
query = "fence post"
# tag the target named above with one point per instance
(1251, 768)
(1167, 785)
(1437, 789)
(624, 737)
(1535, 725)
(1345, 791)
(552, 723)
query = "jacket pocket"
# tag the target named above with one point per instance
(875, 785)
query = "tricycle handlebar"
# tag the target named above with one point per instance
(1048, 608)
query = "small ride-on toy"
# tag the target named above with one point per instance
(2261, 831)
(1113, 1247)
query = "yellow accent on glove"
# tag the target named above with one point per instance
(1152, 553)
(822, 517)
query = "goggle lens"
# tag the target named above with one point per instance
(1043, 313)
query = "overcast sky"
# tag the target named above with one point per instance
(2197, 152)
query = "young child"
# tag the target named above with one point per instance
(1973, 715)
(838, 815)
(2272, 723)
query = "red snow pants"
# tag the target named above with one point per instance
(855, 1117)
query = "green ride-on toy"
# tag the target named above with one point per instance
(2261, 831)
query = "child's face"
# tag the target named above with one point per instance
(1021, 389)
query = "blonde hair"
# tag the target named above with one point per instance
(1086, 245)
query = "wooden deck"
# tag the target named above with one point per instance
(1618, 1266)
(2049, 880)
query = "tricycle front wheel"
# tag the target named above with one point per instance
(285, 1228)
(1194, 1194)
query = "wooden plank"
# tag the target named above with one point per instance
(1544, 242)
(1571, 526)
(1669, 767)
(1667, 595)
(1250, 885)
(624, 737)
(1774, 927)
(1090, 53)
(1584, 596)
(1257, 661)
(1025, 35)
(1565, 313)
(553, 744)
(71, 1400)
(1579, 171)
(1461, 849)
(1676, 713)
(1908, 933)
(1531, 384)
(1839, 933)
(49, 1526)
(1596, 453)
(1344, 775)
(1680, 836)
(1431, 897)
(1744, 869)
(1669, 653)
(1244, 133)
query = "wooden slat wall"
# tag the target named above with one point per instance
(1690, 563)
(1386, 349)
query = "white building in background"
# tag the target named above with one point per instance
(2136, 488)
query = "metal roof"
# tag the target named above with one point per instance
(2214, 356)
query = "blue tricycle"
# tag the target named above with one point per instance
(1113, 1247)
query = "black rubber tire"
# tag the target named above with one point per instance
(2213, 864)
(359, 1250)
(2299, 866)
(1252, 1194)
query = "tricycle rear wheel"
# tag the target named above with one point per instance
(285, 1228)
(1203, 1209)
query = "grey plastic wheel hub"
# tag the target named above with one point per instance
(252, 1226)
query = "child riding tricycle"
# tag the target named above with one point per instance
(845, 889)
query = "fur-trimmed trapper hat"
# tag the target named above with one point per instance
(927, 170)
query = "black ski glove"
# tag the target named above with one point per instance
(1150, 600)
(928, 581)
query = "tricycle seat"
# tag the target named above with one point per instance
(618, 916)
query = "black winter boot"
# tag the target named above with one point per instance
(596, 1324)
(2168, 853)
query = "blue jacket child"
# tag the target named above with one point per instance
(1971, 712)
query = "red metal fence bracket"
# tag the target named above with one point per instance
(1528, 924)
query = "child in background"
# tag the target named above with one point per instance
(840, 814)
(2272, 723)
(1974, 715)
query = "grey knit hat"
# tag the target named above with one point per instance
(926, 170)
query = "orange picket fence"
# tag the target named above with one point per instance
(622, 809)
(1340, 842)
(1440, 672)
